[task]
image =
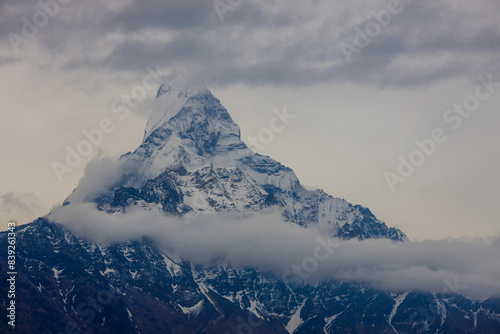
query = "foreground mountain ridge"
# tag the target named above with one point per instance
(67, 284)
(192, 161)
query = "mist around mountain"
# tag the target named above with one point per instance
(193, 232)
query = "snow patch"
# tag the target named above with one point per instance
(192, 311)
(129, 313)
(57, 273)
(398, 301)
(329, 321)
(107, 271)
(295, 321)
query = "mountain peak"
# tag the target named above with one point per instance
(188, 126)
(169, 101)
(185, 89)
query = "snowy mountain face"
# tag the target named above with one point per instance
(189, 128)
(193, 154)
(193, 162)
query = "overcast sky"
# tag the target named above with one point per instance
(365, 79)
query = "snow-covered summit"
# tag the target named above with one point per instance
(169, 101)
(189, 127)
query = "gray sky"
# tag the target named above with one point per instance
(361, 99)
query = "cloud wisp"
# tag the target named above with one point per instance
(266, 242)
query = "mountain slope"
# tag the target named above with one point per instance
(132, 287)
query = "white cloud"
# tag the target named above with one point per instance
(266, 242)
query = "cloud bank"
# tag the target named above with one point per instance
(257, 42)
(294, 253)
